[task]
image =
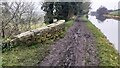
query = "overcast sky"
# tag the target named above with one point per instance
(110, 4)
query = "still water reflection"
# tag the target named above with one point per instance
(100, 18)
(109, 27)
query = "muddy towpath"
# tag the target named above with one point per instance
(77, 48)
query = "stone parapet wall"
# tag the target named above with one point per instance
(38, 35)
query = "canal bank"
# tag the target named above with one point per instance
(109, 27)
(107, 54)
(112, 16)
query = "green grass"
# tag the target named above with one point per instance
(108, 56)
(24, 56)
(29, 56)
(115, 13)
(68, 24)
(38, 25)
(22, 27)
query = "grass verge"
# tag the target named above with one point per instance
(24, 56)
(68, 24)
(108, 56)
(115, 13)
(29, 56)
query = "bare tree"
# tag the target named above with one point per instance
(16, 17)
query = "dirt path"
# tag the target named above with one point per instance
(77, 48)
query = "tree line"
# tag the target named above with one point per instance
(16, 17)
(64, 10)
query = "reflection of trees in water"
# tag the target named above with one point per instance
(100, 12)
(101, 18)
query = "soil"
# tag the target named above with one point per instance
(77, 48)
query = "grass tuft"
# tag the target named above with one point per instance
(108, 55)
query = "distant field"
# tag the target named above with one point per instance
(115, 13)
(15, 29)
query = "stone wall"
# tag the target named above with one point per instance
(38, 35)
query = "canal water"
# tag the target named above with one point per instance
(109, 27)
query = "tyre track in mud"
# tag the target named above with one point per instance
(77, 48)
